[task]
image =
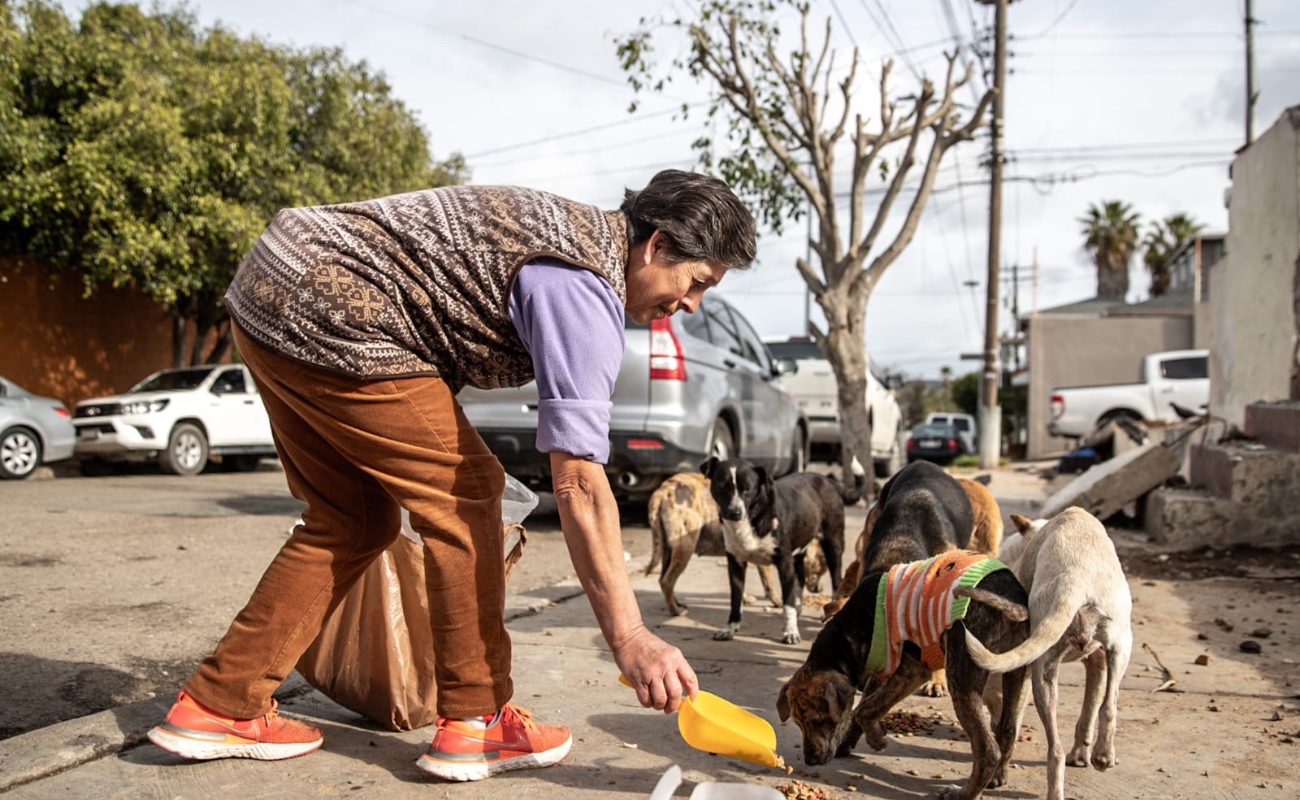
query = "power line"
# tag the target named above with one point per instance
(1054, 22)
(490, 45)
(579, 132)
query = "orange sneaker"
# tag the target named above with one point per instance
(192, 730)
(469, 750)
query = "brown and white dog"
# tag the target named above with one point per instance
(846, 657)
(773, 521)
(1081, 608)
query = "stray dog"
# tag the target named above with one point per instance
(1081, 608)
(766, 521)
(986, 538)
(929, 609)
(1014, 544)
(684, 521)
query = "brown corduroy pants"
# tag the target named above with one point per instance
(357, 451)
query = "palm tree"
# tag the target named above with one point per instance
(1163, 240)
(1110, 236)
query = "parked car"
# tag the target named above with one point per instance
(34, 430)
(179, 418)
(812, 381)
(1174, 376)
(934, 442)
(964, 423)
(690, 386)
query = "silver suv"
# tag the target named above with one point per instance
(690, 386)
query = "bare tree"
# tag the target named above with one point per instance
(783, 122)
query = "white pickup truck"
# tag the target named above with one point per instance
(1175, 376)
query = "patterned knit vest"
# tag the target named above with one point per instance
(418, 283)
(915, 603)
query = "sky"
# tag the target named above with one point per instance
(1106, 100)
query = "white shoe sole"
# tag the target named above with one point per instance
(478, 770)
(203, 749)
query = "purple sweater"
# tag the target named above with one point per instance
(571, 322)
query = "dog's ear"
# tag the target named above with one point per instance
(839, 695)
(783, 702)
(764, 477)
(708, 466)
(1023, 524)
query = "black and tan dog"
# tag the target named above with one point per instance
(983, 596)
(766, 521)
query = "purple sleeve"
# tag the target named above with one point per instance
(571, 322)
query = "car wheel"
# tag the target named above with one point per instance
(799, 458)
(241, 463)
(723, 444)
(20, 453)
(187, 451)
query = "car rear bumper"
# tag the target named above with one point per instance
(638, 461)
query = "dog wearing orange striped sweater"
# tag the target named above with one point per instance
(895, 628)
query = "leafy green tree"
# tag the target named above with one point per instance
(1110, 233)
(776, 121)
(1163, 241)
(966, 393)
(143, 151)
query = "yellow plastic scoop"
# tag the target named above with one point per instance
(714, 725)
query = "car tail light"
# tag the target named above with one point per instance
(952, 444)
(666, 360)
(645, 444)
(1058, 406)
(911, 444)
(62, 412)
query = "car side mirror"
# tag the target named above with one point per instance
(785, 366)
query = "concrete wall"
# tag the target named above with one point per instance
(1087, 350)
(1253, 298)
(55, 343)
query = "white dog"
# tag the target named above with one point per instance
(1079, 608)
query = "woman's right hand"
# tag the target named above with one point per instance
(657, 670)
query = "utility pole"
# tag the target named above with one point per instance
(1251, 94)
(990, 413)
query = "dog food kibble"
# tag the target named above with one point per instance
(798, 790)
(909, 723)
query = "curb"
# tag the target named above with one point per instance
(47, 751)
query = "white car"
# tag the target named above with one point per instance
(180, 418)
(812, 382)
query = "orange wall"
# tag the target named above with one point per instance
(54, 342)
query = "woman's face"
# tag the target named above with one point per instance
(657, 287)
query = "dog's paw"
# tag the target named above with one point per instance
(725, 634)
(790, 637)
(1079, 756)
(953, 792)
(933, 689)
(1104, 761)
(875, 736)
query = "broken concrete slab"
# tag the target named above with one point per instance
(1109, 486)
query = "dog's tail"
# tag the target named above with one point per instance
(851, 496)
(1045, 632)
(656, 533)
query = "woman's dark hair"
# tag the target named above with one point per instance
(700, 216)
